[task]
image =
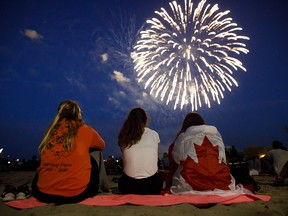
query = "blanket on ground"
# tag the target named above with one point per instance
(149, 200)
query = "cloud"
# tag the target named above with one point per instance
(119, 77)
(122, 93)
(114, 101)
(32, 34)
(78, 82)
(117, 97)
(104, 57)
(131, 94)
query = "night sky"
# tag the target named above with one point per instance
(55, 50)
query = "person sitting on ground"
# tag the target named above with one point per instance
(279, 159)
(198, 161)
(67, 172)
(139, 146)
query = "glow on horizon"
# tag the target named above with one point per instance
(188, 56)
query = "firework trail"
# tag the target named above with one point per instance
(117, 40)
(187, 54)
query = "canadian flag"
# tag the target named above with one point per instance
(208, 173)
(198, 161)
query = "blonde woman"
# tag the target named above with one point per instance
(139, 145)
(67, 173)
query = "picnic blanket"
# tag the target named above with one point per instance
(148, 200)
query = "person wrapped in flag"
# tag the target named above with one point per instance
(198, 161)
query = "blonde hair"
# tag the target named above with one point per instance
(71, 113)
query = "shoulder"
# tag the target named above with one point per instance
(179, 138)
(277, 151)
(273, 152)
(211, 129)
(201, 129)
(150, 132)
(86, 128)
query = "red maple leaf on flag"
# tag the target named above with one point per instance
(208, 173)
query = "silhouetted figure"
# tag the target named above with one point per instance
(279, 159)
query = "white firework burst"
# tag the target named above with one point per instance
(188, 54)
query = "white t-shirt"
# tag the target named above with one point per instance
(279, 157)
(141, 160)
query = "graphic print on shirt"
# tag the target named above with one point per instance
(56, 151)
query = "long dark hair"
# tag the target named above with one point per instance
(191, 119)
(133, 128)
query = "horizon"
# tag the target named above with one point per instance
(58, 50)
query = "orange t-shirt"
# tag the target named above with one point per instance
(68, 173)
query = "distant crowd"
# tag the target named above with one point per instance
(18, 165)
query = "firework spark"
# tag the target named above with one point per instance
(187, 54)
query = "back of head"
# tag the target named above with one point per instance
(137, 116)
(69, 110)
(278, 145)
(133, 128)
(192, 119)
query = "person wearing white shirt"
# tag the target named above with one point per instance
(139, 146)
(279, 158)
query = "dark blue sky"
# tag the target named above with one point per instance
(51, 51)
